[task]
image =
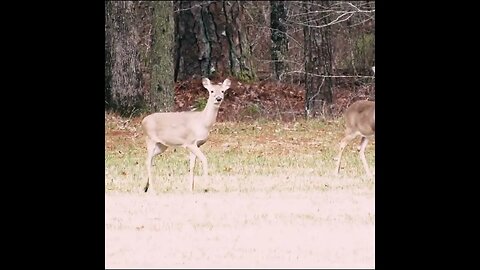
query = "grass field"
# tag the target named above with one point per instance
(271, 200)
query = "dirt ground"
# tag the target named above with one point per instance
(282, 229)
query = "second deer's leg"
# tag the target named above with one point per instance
(193, 158)
(343, 143)
(363, 145)
(196, 151)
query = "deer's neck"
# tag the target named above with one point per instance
(210, 114)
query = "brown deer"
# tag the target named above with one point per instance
(359, 120)
(183, 129)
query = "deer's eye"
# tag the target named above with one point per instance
(223, 91)
(211, 91)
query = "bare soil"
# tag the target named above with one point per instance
(333, 228)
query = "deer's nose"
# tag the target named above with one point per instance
(218, 99)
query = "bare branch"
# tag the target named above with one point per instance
(318, 91)
(343, 10)
(369, 18)
(194, 6)
(289, 36)
(328, 76)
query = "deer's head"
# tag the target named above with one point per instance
(216, 92)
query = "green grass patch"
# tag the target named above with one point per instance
(254, 156)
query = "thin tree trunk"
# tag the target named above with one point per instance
(318, 62)
(108, 55)
(310, 55)
(278, 15)
(326, 57)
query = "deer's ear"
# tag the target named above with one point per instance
(226, 83)
(206, 82)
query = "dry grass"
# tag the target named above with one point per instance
(271, 200)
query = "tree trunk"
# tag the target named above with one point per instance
(241, 65)
(108, 58)
(318, 62)
(211, 41)
(138, 47)
(161, 57)
(278, 16)
(309, 56)
(126, 86)
(326, 53)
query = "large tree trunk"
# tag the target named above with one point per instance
(108, 58)
(278, 17)
(138, 47)
(211, 40)
(126, 86)
(161, 56)
(241, 65)
(318, 61)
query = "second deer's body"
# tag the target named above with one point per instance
(359, 121)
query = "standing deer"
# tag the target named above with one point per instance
(185, 129)
(359, 120)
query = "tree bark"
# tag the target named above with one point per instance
(278, 15)
(138, 60)
(126, 85)
(318, 61)
(108, 58)
(211, 40)
(326, 52)
(161, 65)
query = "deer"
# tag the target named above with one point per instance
(359, 120)
(188, 129)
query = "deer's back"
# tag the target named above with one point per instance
(360, 117)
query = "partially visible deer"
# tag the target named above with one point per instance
(359, 120)
(183, 129)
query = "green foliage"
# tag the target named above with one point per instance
(134, 110)
(360, 55)
(364, 50)
(253, 110)
(246, 76)
(200, 103)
